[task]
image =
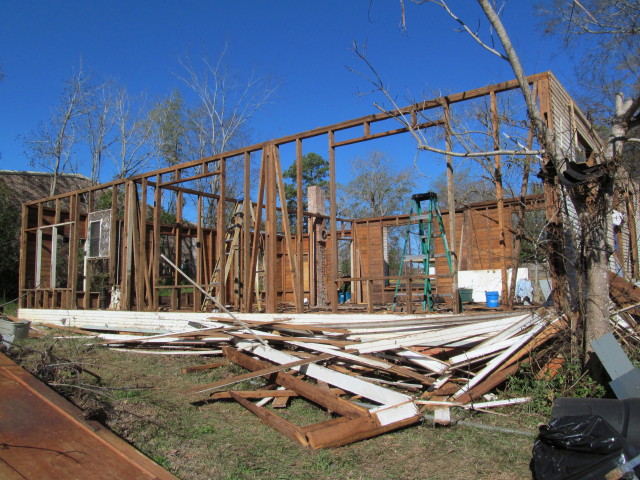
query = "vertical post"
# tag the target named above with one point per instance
(155, 258)
(271, 243)
(246, 237)
(299, 223)
(499, 197)
(88, 273)
(130, 227)
(333, 290)
(177, 250)
(451, 200)
(113, 241)
(221, 231)
(73, 249)
(409, 297)
(257, 231)
(54, 245)
(197, 295)
(145, 298)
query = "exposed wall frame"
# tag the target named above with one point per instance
(144, 225)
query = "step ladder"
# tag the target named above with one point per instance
(426, 226)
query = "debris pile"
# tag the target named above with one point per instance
(376, 376)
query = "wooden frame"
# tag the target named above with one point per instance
(145, 225)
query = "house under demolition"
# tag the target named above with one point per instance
(176, 239)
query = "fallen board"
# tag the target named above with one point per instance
(44, 436)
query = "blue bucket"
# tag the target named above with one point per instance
(492, 299)
(347, 296)
(340, 297)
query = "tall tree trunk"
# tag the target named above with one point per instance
(593, 205)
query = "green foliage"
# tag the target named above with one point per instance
(9, 245)
(572, 381)
(315, 172)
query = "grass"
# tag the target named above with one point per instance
(10, 307)
(222, 440)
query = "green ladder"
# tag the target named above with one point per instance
(427, 234)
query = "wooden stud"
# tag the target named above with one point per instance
(333, 275)
(221, 250)
(500, 198)
(246, 237)
(271, 241)
(257, 227)
(155, 258)
(299, 224)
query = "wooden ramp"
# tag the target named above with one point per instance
(43, 436)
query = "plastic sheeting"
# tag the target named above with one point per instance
(579, 448)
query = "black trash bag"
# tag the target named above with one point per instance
(579, 448)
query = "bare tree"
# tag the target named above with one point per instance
(52, 145)
(133, 148)
(376, 189)
(98, 126)
(608, 36)
(593, 202)
(225, 105)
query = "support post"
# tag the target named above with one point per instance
(245, 303)
(451, 200)
(271, 241)
(221, 231)
(506, 301)
(333, 292)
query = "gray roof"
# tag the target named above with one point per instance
(27, 186)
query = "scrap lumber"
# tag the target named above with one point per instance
(303, 388)
(355, 423)
(255, 374)
(200, 368)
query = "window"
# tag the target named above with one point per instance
(94, 238)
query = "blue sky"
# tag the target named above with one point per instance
(305, 45)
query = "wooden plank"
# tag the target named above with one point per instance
(305, 389)
(201, 368)
(368, 390)
(255, 374)
(498, 360)
(337, 434)
(61, 443)
(434, 338)
(276, 422)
